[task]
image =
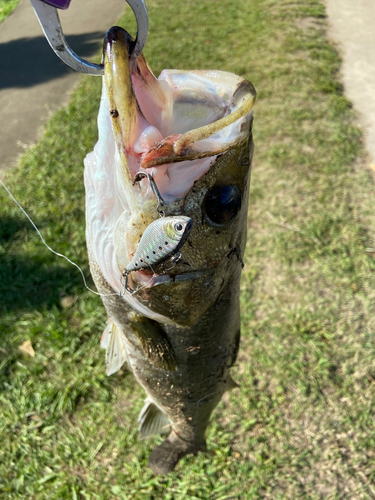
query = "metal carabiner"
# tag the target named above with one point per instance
(51, 26)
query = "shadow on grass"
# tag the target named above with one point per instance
(26, 283)
(31, 61)
(29, 280)
(10, 226)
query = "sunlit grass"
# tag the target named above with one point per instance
(301, 425)
(7, 7)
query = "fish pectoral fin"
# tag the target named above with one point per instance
(154, 343)
(104, 339)
(152, 421)
(115, 354)
(231, 384)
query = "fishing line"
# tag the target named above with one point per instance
(53, 251)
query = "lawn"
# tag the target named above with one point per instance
(7, 7)
(301, 426)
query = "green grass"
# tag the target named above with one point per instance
(302, 424)
(7, 7)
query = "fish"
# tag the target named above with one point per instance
(179, 332)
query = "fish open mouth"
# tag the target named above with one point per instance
(173, 127)
(180, 117)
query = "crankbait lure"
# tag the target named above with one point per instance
(161, 240)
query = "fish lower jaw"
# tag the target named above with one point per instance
(147, 279)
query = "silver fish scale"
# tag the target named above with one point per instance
(160, 241)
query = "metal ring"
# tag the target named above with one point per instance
(50, 22)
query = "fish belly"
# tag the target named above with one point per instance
(204, 354)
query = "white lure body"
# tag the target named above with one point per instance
(161, 240)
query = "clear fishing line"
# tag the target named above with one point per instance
(53, 251)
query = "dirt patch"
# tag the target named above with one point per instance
(309, 22)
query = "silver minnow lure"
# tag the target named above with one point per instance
(161, 240)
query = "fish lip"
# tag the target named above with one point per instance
(169, 278)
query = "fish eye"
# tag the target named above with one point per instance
(178, 227)
(222, 204)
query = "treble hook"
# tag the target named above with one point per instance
(49, 20)
(161, 204)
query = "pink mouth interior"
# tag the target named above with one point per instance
(170, 106)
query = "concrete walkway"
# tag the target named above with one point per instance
(353, 27)
(33, 81)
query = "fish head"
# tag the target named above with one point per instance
(212, 256)
(191, 130)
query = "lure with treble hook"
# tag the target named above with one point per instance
(161, 241)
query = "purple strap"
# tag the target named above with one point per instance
(59, 4)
